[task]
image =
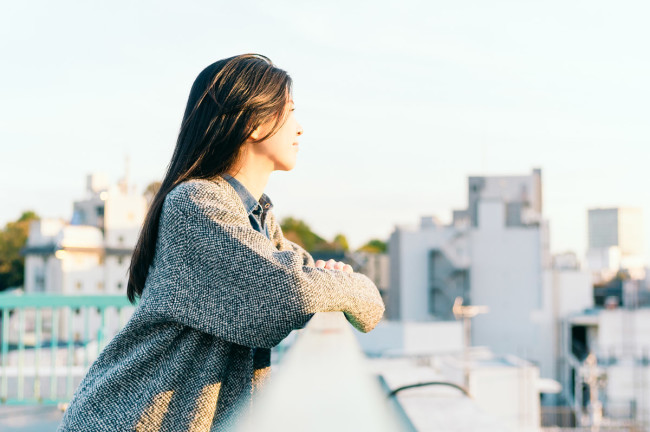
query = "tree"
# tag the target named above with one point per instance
(12, 240)
(299, 232)
(151, 191)
(341, 243)
(374, 246)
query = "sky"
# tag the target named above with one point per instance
(400, 102)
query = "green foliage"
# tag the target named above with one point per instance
(12, 240)
(341, 243)
(374, 246)
(151, 191)
(299, 232)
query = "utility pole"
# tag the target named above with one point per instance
(467, 313)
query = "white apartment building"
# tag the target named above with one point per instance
(495, 254)
(619, 339)
(90, 254)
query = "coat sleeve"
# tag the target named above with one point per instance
(283, 243)
(231, 281)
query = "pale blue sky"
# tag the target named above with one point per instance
(400, 102)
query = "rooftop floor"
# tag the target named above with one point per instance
(29, 418)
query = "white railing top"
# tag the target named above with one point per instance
(323, 384)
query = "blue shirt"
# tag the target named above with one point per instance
(257, 210)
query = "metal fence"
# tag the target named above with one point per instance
(48, 341)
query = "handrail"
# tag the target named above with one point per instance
(323, 384)
(61, 300)
(323, 380)
(53, 340)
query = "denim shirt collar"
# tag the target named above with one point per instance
(251, 205)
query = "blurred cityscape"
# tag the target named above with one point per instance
(531, 341)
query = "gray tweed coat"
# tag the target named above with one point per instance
(216, 289)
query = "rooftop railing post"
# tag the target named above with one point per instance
(54, 345)
(37, 357)
(70, 359)
(21, 353)
(5, 352)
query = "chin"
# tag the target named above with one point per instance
(285, 166)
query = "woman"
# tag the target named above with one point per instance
(218, 283)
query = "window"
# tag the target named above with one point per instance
(39, 282)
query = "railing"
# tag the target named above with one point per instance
(324, 384)
(48, 341)
(323, 380)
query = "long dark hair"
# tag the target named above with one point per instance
(228, 101)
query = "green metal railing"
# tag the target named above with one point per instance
(325, 363)
(46, 315)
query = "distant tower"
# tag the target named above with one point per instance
(124, 183)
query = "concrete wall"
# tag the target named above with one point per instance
(411, 338)
(506, 276)
(409, 254)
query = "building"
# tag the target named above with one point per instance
(496, 254)
(90, 254)
(615, 243)
(521, 195)
(503, 391)
(606, 362)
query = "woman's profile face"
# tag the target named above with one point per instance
(282, 147)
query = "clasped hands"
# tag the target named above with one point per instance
(333, 265)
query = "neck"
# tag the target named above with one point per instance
(254, 178)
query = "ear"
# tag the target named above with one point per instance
(256, 134)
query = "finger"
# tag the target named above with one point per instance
(339, 265)
(348, 268)
(319, 264)
(330, 264)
